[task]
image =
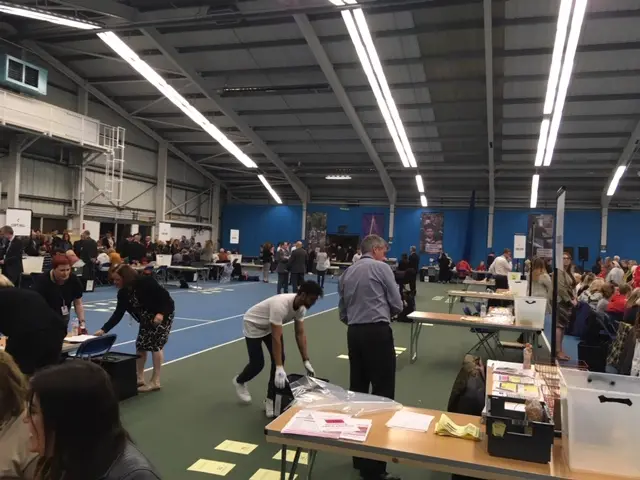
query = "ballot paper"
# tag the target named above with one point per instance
(448, 427)
(416, 422)
(79, 338)
(328, 425)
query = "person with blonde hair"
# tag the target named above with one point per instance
(593, 294)
(16, 461)
(541, 285)
(632, 307)
(616, 274)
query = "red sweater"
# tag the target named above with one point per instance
(617, 303)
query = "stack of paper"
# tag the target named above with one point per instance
(417, 422)
(328, 425)
(446, 426)
(79, 338)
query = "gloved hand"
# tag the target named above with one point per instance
(310, 371)
(281, 377)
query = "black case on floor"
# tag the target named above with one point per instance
(284, 396)
(121, 367)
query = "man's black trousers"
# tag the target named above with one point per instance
(372, 369)
(256, 362)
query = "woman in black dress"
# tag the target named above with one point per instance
(153, 308)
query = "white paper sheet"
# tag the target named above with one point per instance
(416, 422)
(79, 338)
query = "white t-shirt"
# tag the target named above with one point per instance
(501, 266)
(276, 310)
(356, 257)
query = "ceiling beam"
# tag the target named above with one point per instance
(488, 70)
(106, 7)
(54, 62)
(192, 74)
(625, 159)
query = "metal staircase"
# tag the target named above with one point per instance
(112, 140)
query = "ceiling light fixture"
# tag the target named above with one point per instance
(558, 50)
(337, 3)
(270, 189)
(615, 180)
(535, 181)
(361, 39)
(542, 141)
(419, 183)
(34, 14)
(565, 77)
(338, 177)
(143, 68)
(423, 200)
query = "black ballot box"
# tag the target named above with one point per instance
(121, 367)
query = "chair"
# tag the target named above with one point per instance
(96, 347)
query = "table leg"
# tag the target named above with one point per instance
(312, 462)
(283, 463)
(294, 466)
(416, 328)
(451, 304)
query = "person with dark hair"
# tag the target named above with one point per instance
(12, 261)
(566, 303)
(74, 421)
(35, 332)
(153, 308)
(263, 324)
(16, 461)
(267, 259)
(61, 289)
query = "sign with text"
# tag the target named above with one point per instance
(20, 221)
(164, 231)
(234, 237)
(519, 246)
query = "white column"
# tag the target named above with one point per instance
(214, 212)
(304, 221)
(12, 179)
(392, 221)
(161, 184)
(604, 220)
(490, 228)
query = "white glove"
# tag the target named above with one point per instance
(281, 377)
(310, 371)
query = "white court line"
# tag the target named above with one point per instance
(202, 320)
(210, 322)
(234, 341)
(546, 341)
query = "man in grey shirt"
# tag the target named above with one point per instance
(369, 297)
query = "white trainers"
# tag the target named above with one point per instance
(268, 408)
(242, 391)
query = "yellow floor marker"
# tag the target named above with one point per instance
(343, 357)
(264, 474)
(209, 466)
(237, 447)
(304, 457)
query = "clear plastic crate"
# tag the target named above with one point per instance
(600, 419)
(530, 311)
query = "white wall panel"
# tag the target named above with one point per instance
(45, 179)
(179, 171)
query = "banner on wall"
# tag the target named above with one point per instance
(431, 232)
(234, 237)
(519, 246)
(316, 230)
(372, 224)
(164, 231)
(20, 221)
(541, 231)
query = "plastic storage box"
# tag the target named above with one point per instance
(600, 419)
(530, 311)
(511, 435)
(518, 288)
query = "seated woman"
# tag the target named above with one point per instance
(35, 332)
(463, 268)
(608, 290)
(618, 301)
(593, 294)
(80, 440)
(16, 460)
(632, 307)
(481, 267)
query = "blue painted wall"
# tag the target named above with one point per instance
(260, 223)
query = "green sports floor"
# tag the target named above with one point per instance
(197, 408)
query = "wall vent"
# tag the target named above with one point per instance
(23, 76)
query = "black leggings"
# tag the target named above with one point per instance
(321, 275)
(256, 362)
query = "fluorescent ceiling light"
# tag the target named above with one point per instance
(34, 14)
(565, 77)
(338, 177)
(558, 49)
(373, 82)
(615, 180)
(363, 28)
(419, 183)
(423, 200)
(337, 3)
(542, 141)
(535, 181)
(351, 2)
(143, 68)
(269, 189)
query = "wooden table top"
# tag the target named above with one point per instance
(458, 320)
(499, 295)
(430, 451)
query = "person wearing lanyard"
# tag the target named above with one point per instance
(369, 297)
(61, 289)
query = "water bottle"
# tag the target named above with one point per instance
(483, 310)
(75, 327)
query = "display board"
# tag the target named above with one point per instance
(560, 230)
(93, 227)
(316, 230)
(164, 231)
(20, 221)
(372, 224)
(541, 231)
(519, 246)
(234, 237)
(431, 232)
